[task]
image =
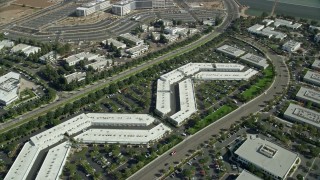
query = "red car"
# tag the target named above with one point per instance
(173, 153)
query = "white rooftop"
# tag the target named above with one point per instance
(268, 156)
(127, 136)
(270, 31)
(131, 37)
(9, 87)
(246, 175)
(246, 75)
(172, 76)
(233, 51)
(282, 22)
(316, 64)
(6, 43)
(53, 164)
(313, 77)
(116, 43)
(228, 67)
(163, 86)
(299, 113)
(76, 76)
(71, 60)
(26, 49)
(120, 119)
(187, 102)
(256, 60)
(309, 94)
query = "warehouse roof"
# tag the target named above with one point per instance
(268, 156)
(163, 104)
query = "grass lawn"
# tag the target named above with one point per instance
(259, 86)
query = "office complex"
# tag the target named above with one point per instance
(312, 78)
(92, 7)
(255, 60)
(9, 88)
(26, 49)
(231, 51)
(300, 114)
(246, 175)
(307, 94)
(316, 64)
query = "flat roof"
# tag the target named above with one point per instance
(172, 76)
(282, 22)
(228, 66)
(266, 155)
(309, 94)
(299, 113)
(120, 119)
(23, 163)
(187, 101)
(116, 43)
(9, 87)
(50, 55)
(76, 76)
(313, 77)
(80, 56)
(163, 102)
(52, 166)
(291, 44)
(128, 136)
(27, 49)
(138, 48)
(192, 68)
(246, 175)
(256, 27)
(276, 34)
(131, 37)
(99, 63)
(316, 64)
(231, 50)
(256, 60)
(226, 75)
(163, 86)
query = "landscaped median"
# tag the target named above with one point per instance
(260, 86)
(222, 111)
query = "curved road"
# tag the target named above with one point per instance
(231, 7)
(281, 82)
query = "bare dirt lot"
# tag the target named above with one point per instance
(35, 3)
(206, 4)
(12, 12)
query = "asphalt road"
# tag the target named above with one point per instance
(281, 81)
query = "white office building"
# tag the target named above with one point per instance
(115, 42)
(122, 8)
(52, 57)
(26, 49)
(133, 39)
(9, 88)
(312, 78)
(303, 115)
(268, 21)
(231, 51)
(76, 76)
(175, 30)
(290, 24)
(6, 43)
(266, 31)
(100, 64)
(92, 7)
(307, 94)
(291, 46)
(270, 158)
(74, 59)
(255, 60)
(246, 175)
(137, 50)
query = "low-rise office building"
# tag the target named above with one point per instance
(92, 7)
(291, 46)
(26, 49)
(100, 64)
(303, 115)
(317, 38)
(276, 34)
(268, 21)
(270, 158)
(74, 59)
(307, 94)
(115, 42)
(174, 30)
(76, 76)
(290, 24)
(232, 51)
(52, 57)
(9, 88)
(133, 39)
(122, 8)
(246, 175)
(6, 43)
(316, 64)
(312, 78)
(137, 50)
(226, 76)
(255, 60)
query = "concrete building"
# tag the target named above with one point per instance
(101, 63)
(312, 78)
(276, 34)
(26, 49)
(125, 7)
(268, 21)
(53, 164)
(137, 50)
(255, 60)
(9, 88)
(74, 59)
(92, 7)
(115, 42)
(316, 64)
(231, 51)
(76, 76)
(6, 43)
(174, 30)
(317, 38)
(303, 115)
(81, 126)
(52, 57)
(133, 39)
(246, 175)
(122, 8)
(255, 28)
(270, 158)
(291, 46)
(307, 94)
(290, 24)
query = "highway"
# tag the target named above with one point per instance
(37, 112)
(281, 81)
